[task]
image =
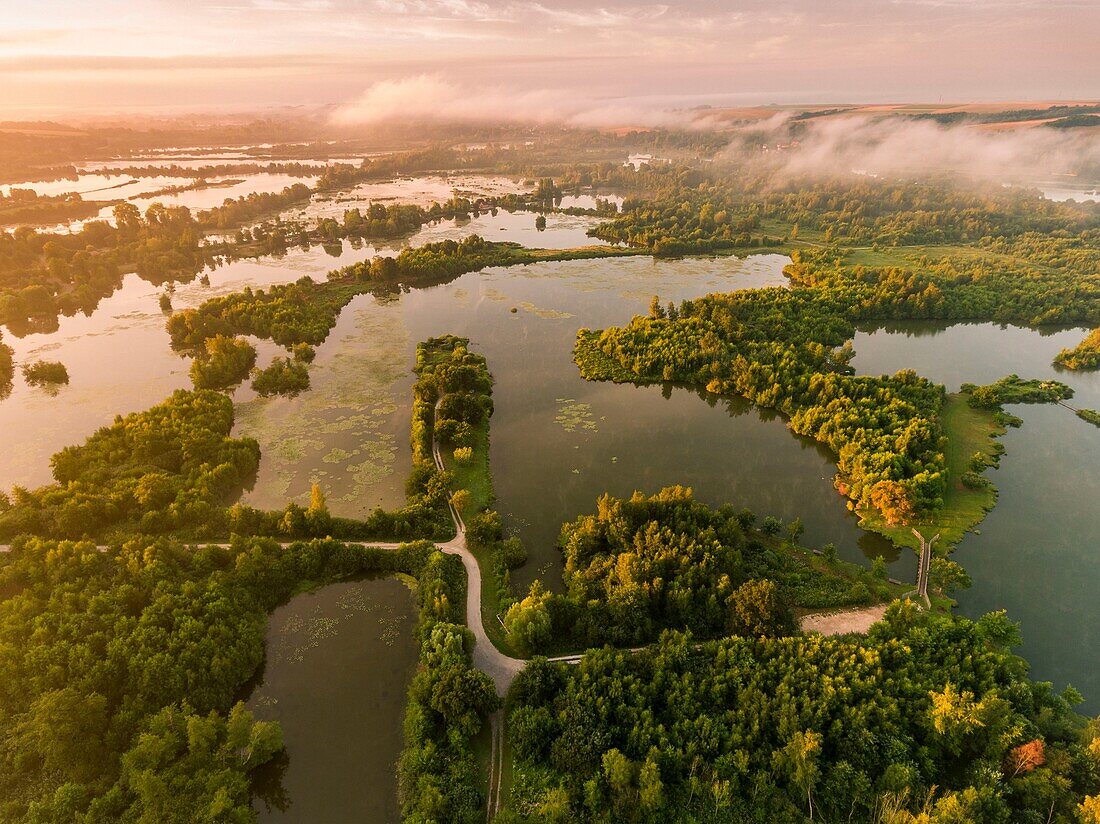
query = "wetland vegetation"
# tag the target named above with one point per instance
(727, 710)
(759, 728)
(43, 373)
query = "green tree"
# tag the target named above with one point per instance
(528, 622)
(757, 608)
(795, 529)
(798, 762)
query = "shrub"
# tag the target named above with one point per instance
(303, 352)
(40, 373)
(972, 480)
(527, 622)
(283, 377)
(513, 553)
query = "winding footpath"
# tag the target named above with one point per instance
(500, 667)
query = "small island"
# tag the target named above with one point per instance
(45, 373)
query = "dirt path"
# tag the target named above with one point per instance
(500, 667)
(843, 621)
(226, 545)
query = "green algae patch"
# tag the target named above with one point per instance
(574, 416)
(549, 314)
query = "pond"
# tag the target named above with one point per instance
(1036, 554)
(337, 667)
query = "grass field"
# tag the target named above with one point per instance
(912, 255)
(782, 228)
(968, 431)
(474, 477)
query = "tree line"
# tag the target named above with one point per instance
(122, 671)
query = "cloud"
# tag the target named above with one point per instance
(431, 98)
(600, 17)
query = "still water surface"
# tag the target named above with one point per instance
(337, 666)
(1037, 554)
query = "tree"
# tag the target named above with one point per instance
(947, 576)
(127, 217)
(317, 499)
(798, 762)
(650, 787)
(894, 501)
(1089, 810)
(795, 529)
(1025, 758)
(955, 714)
(40, 373)
(318, 522)
(461, 499)
(463, 696)
(757, 608)
(619, 772)
(528, 622)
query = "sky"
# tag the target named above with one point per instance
(59, 56)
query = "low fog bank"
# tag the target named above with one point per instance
(878, 142)
(431, 98)
(896, 145)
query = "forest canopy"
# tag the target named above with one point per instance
(803, 728)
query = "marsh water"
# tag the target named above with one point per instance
(337, 666)
(557, 441)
